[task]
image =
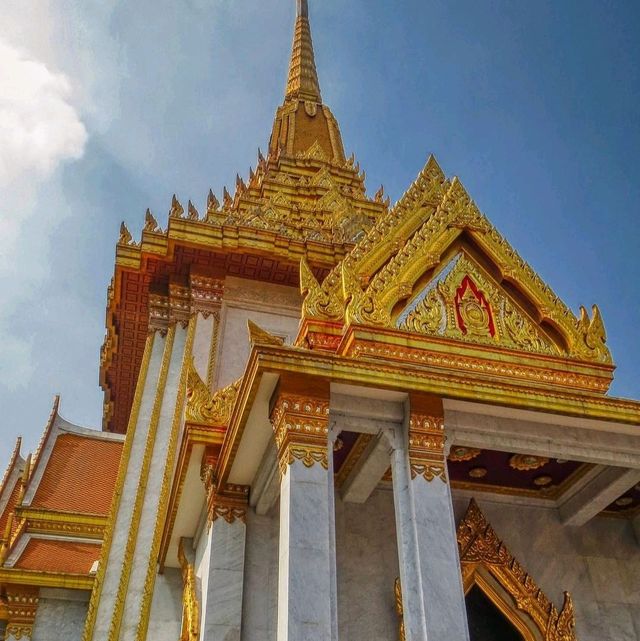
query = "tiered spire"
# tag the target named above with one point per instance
(303, 77)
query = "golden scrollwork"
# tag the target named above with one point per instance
(397, 593)
(362, 308)
(428, 316)
(593, 336)
(481, 550)
(466, 304)
(301, 431)
(190, 605)
(460, 454)
(412, 239)
(229, 504)
(259, 336)
(426, 447)
(206, 408)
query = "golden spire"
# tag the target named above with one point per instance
(303, 77)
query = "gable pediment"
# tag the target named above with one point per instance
(463, 302)
(415, 243)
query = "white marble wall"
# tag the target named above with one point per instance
(61, 615)
(598, 563)
(166, 607)
(260, 600)
(274, 307)
(367, 568)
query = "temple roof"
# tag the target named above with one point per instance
(58, 506)
(304, 198)
(58, 555)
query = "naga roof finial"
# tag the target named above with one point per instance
(303, 77)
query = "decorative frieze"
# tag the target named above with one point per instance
(22, 605)
(426, 447)
(481, 548)
(229, 504)
(301, 430)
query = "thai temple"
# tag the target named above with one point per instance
(327, 416)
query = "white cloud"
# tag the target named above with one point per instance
(39, 127)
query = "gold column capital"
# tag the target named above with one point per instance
(427, 439)
(22, 605)
(301, 426)
(229, 504)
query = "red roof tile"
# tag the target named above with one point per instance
(80, 475)
(47, 555)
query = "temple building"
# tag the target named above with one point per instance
(328, 417)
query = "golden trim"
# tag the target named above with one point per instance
(426, 447)
(134, 524)
(65, 523)
(397, 593)
(213, 349)
(192, 435)
(352, 458)
(22, 606)
(16, 576)
(481, 549)
(301, 431)
(149, 584)
(190, 605)
(206, 408)
(92, 611)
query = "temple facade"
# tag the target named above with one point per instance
(329, 417)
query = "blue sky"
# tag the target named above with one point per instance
(114, 106)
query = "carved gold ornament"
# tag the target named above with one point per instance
(412, 239)
(526, 462)
(464, 303)
(205, 408)
(22, 606)
(190, 605)
(478, 472)
(426, 447)
(482, 553)
(301, 431)
(459, 454)
(259, 336)
(397, 593)
(543, 481)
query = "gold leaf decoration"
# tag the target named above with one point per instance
(207, 409)
(481, 549)
(259, 336)
(317, 303)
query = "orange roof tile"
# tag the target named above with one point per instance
(47, 555)
(80, 475)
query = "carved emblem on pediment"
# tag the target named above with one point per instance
(464, 303)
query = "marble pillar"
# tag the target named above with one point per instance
(432, 591)
(121, 599)
(307, 585)
(222, 607)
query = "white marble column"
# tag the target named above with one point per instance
(432, 591)
(307, 586)
(222, 602)
(121, 598)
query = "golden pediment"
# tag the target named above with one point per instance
(416, 238)
(464, 303)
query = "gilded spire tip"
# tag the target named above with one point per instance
(303, 77)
